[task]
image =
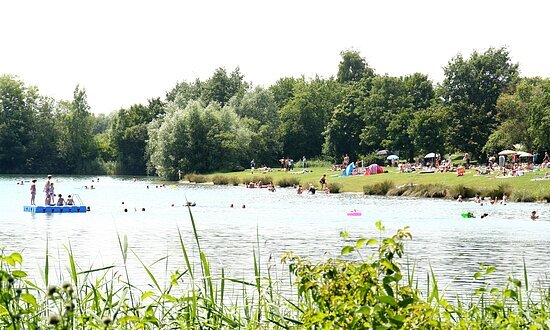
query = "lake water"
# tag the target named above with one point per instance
(277, 222)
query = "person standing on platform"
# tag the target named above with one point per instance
(33, 192)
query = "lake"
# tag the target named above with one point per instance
(276, 222)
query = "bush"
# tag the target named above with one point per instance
(335, 187)
(235, 180)
(197, 178)
(288, 182)
(522, 196)
(380, 188)
(503, 188)
(460, 189)
(257, 178)
(220, 179)
(430, 190)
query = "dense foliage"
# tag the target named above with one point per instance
(481, 107)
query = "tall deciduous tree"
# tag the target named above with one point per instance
(524, 116)
(353, 67)
(197, 139)
(305, 117)
(76, 144)
(16, 120)
(260, 114)
(470, 91)
(221, 87)
(283, 90)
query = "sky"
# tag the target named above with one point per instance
(124, 52)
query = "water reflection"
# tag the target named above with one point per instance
(276, 223)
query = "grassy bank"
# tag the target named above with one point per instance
(375, 291)
(447, 185)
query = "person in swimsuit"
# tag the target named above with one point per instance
(33, 191)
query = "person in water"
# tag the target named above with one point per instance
(323, 182)
(534, 215)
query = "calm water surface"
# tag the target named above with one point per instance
(279, 222)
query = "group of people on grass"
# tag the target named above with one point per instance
(49, 191)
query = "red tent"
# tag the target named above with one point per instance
(374, 169)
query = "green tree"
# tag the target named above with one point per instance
(197, 139)
(343, 129)
(283, 90)
(16, 119)
(353, 67)
(129, 135)
(305, 117)
(185, 91)
(76, 145)
(387, 98)
(260, 114)
(524, 116)
(221, 87)
(427, 130)
(470, 90)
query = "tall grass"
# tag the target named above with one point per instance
(369, 291)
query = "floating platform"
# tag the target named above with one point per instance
(55, 209)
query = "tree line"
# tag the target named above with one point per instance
(481, 107)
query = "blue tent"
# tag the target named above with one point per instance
(349, 169)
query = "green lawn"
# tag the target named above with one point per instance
(539, 189)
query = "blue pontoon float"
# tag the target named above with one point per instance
(57, 209)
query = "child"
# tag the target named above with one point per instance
(70, 200)
(60, 200)
(534, 215)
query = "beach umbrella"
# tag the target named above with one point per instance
(430, 155)
(383, 152)
(392, 157)
(507, 152)
(525, 154)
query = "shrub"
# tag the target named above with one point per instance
(198, 178)
(503, 188)
(400, 190)
(522, 196)
(235, 180)
(257, 178)
(380, 188)
(220, 179)
(335, 187)
(288, 182)
(460, 189)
